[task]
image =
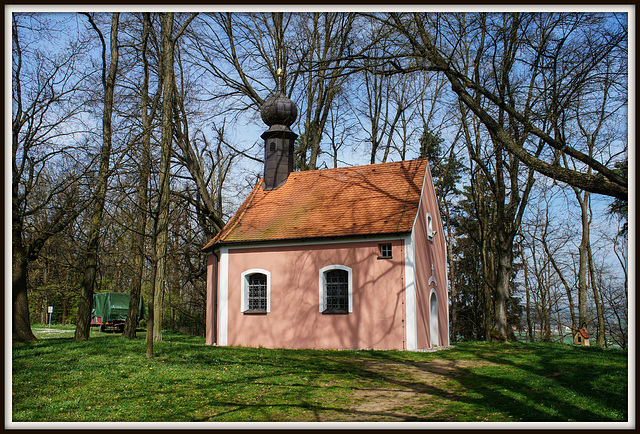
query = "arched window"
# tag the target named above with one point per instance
(433, 319)
(256, 291)
(336, 292)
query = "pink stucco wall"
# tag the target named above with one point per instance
(430, 253)
(295, 320)
(212, 296)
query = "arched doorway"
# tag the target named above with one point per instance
(433, 320)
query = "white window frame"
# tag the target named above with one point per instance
(322, 287)
(381, 247)
(244, 303)
(430, 232)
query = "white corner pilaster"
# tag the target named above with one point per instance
(223, 303)
(411, 322)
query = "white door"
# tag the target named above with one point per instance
(434, 319)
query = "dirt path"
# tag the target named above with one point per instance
(415, 390)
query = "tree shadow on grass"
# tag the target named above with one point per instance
(582, 383)
(551, 385)
(518, 382)
(320, 413)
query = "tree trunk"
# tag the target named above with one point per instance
(315, 146)
(21, 323)
(150, 318)
(452, 276)
(560, 333)
(600, 339)
(486, 272)
(151, 306)
(583, 320)
(528, 302)
(83, 322)
(546, 310)
(165, 166)
(64, 310)
(142, 199)
(502, 293)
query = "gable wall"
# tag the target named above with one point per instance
(294, 320)
(428, 253)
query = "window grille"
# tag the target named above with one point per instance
(257, 285)
(385, 251)
(337, 290)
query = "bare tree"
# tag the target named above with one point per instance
(209, 203)
(515, 93)
(500, 169)
(239, 51)
(527, 73)
(384, 100)
(597, 107)
(324, 41)
(46, 187)
(108, 85)
(244, 52)
(568, 290)
(168, 43)
(615, 307)
(542, 275)
(580, 42)
(142, 190)
(340, 128)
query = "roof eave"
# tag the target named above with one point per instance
(305, 240)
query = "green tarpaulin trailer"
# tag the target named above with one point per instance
(110, 309)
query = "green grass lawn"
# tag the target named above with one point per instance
(108, 378)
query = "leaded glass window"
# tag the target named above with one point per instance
(257, 288)
(337, 291)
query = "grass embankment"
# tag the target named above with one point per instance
(108, 378)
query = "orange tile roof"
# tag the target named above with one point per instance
(349, 201)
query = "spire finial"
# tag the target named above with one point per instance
(279, 80)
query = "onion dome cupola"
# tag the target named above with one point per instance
(279, 110)
(279, 113)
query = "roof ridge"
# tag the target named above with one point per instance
(361, 166)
